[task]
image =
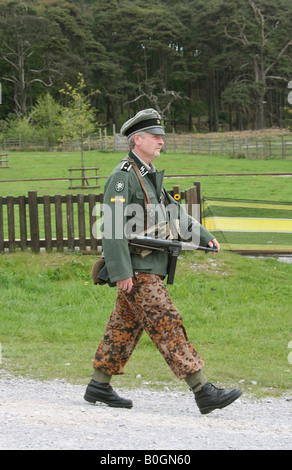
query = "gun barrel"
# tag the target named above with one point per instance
(165, 243)
(172, 247)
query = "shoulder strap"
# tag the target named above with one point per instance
(147, 201)
(136, 169)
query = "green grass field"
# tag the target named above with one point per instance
(31, 165)
(237, 310)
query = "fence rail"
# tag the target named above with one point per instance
(62, 222)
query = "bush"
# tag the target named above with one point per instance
(17, 127)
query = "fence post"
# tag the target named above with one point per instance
(114, 136)
(59, 222)
(34, 221)
(197, 185)
(70, 222)
(92, 220)
(283, 148)
(173, 140)
(176, 193)
(81, 221)
(48, 221)
(11, 223)
(193, 201)
(189, 193)
(100, 139)
(247, 147)
(22, 223)
(1, 227)
(105, 139)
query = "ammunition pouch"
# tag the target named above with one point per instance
(99, 274)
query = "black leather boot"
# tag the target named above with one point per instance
(210, 398)
(104, 393)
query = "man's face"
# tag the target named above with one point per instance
(148, 146)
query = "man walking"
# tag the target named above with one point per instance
(143, 302)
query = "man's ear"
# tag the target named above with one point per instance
(137, 139)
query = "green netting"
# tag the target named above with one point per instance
(249, 225)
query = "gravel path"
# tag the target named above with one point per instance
(53, 415)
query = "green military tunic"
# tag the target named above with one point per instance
(124, 207)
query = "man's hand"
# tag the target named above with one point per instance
(125, 284)
(214, 242)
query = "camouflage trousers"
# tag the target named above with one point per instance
(147, 307)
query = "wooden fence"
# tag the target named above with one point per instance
(48, 222)
(84, 177)
(99, 141)
(62, 222)
(278, 146)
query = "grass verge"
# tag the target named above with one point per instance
(237, 312)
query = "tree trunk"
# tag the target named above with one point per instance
(215, 102)
(21, 79)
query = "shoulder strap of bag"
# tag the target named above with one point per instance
(136, 169)
(147, 200)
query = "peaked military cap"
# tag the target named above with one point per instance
(147, 120)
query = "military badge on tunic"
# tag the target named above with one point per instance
(119, 186)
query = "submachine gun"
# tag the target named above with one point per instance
(171, 247)
(137, 244)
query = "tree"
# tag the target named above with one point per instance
(258, 31)
(238, 96)
(21, 50)
(161, 101)
(78, 118)
(66, 43)
(46, 118)
(233, 53)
